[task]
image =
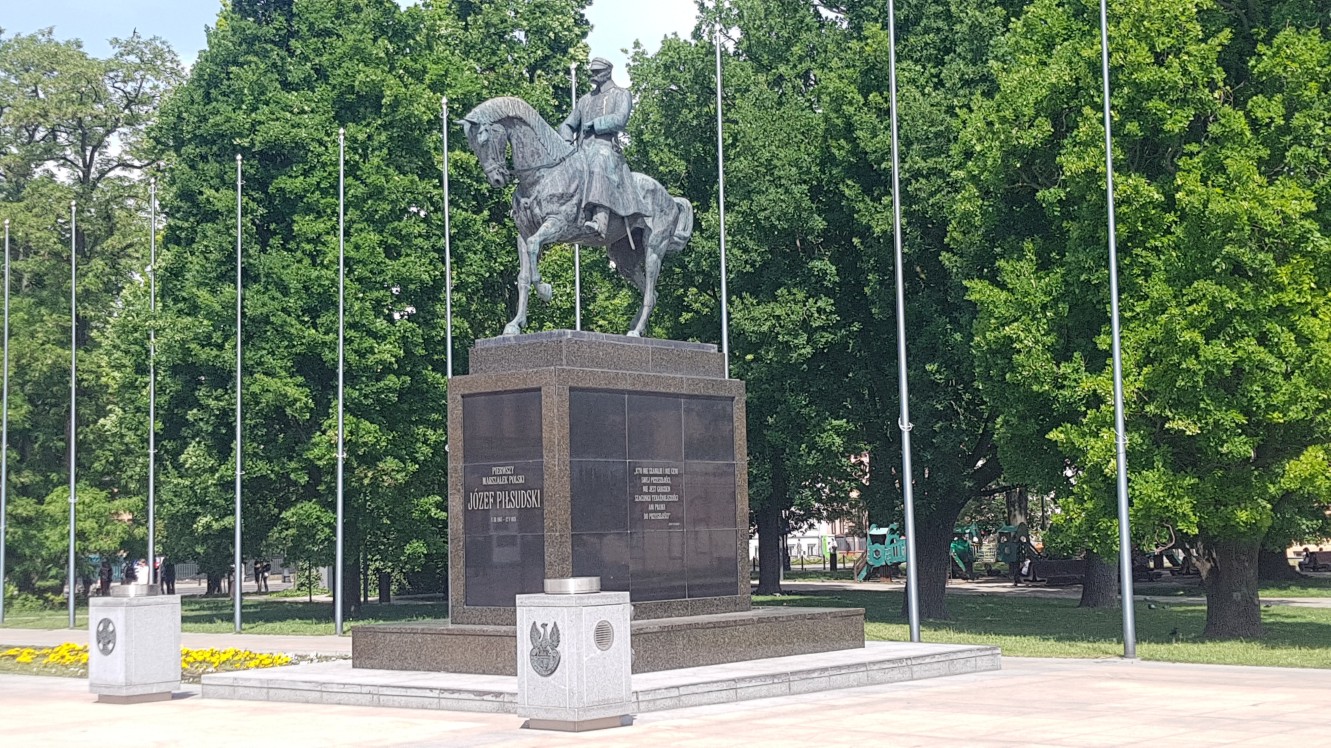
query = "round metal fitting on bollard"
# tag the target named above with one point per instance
(135, 590)
(573, 586)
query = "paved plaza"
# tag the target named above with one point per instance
(1031, 702)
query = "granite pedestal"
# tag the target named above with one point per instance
(577, 454)
(574, 662)
(134, 645)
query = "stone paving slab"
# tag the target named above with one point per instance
(1031, 702)
(877, 663)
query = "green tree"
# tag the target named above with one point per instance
(784, 323)
(71, 129)
(943, 53)
(276, 83)
(810, 243)
(304, 536)
(1223, 237)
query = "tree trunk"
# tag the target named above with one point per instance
(1229, 574)
(1273, 566)
(364, 579)
(1099, 586)
(214, 584)
(933, 540)
(1018, 507)
(771, 531)
(769, 549)
(385, 587)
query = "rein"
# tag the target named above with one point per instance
(520, 174)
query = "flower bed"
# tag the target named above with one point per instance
(71, 660)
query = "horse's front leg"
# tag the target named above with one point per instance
(551, 231)
(519, 320)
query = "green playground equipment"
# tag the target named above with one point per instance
(963, 554)
(883, 548)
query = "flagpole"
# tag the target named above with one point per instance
(577, 248)
(73, 392)
(721, 203)
(239, 574)
(341, 364)
(152, 380)
(912, 568)
(4, 434)
(1120, 433)
(448, 239)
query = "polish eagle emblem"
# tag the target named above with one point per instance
(545, 649)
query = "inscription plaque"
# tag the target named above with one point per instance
(503, 487)
(652, 478)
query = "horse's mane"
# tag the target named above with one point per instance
(506, 107)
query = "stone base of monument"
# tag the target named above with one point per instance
(658, 643)
(134, 645)
(876, 663)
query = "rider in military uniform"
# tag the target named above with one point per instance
(594, 125)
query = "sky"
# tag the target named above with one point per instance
(616, 23)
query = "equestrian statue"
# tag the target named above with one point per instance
(574, 187)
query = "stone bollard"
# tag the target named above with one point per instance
(134, 647)
(575, 659)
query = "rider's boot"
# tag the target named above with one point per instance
(600, 221)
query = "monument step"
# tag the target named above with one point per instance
(658, 643)
(876, 663)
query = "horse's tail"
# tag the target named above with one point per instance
(683, 226)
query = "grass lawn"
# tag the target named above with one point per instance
(1036, 627)
(259, 615)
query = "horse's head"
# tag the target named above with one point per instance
(490, 143)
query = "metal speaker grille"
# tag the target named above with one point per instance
(604, 635)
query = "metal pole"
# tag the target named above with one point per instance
(912, 568)
(4, 434)
(152, 380)
(448, 239)
(721, 202)
(341, 361)
(73, 393)
(1121, 437)
(448, 275)
(239, 574)
(577, 248)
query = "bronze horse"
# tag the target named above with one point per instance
(548, 205)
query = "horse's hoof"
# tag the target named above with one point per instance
(633, 334)
(511, 329)
(544, 292)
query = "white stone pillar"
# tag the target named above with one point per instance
(134, 645)
(575, 659)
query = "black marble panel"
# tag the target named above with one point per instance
(598, 425)
(506, 498)
(604, 555)
(655, 428)
(500, 566)
(501, 427)
(600, 495)
(657, 566)
(712, 564)
(656, 495)
(709, 496)
(709, 429)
